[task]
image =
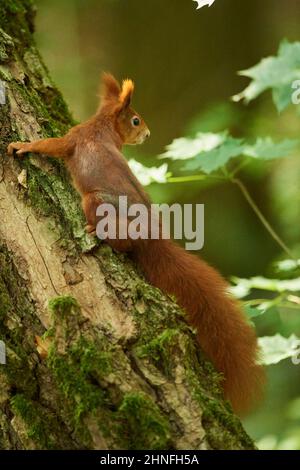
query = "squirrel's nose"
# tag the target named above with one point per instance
(147, 135)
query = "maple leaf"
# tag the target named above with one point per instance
(203, 3)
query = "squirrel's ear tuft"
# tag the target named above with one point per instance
(126, 92)
(110, 87)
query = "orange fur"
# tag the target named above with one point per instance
(127, 90)
(110, 88)
(92, 153)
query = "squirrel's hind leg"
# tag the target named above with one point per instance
(90, 204)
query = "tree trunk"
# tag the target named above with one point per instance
(95, 357)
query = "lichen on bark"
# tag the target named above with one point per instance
(96, 358)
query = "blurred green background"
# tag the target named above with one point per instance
(184, 63)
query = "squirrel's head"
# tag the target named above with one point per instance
(116, 103)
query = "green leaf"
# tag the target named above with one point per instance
(260, 309)
(282, 96)
(287, 267)
(214, 159)
(185, 148)
(252, 312)
(275, 349)
(274, 73)
(288, 264)
(147, 175)
(266, 149)
(262, 283)
(240, 290)
(209, 152)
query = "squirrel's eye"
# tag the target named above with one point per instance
(135, 121)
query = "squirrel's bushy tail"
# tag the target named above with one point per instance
(224, 333)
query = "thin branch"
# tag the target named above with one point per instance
(262, 218)
(229, 177)
(191, 178)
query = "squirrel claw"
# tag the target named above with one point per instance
(20, 147)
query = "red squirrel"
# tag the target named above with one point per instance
(92, 154)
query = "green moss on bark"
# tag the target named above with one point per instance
(144, 426)
(63, 305)
(28, 84)
(16, 315)
(19, 382)
(160, 350)
(16, 18)
(39, 427)
(89, 370)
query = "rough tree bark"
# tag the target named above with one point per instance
(96, 358)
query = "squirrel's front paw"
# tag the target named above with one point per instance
(20, 147)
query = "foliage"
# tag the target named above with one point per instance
(275, 73)
(221, 156)
(211, 152)
(149, 175)
(276, 348)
